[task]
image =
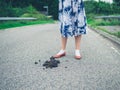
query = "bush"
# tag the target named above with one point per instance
(32, 12)
(5, 10)
(101, 8)
(30, 9)
(101, 22)
(18, 11)
(38, 16)
(53, 8)
(19, 7)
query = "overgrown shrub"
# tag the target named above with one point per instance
(38, 16)
(18, 7)
(53, 8)
(30, 11)
(99, 7)
(5, 9)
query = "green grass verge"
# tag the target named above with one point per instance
(10, 24)
(111, 33)
(95, 23)
(117, 34)
(101, 22)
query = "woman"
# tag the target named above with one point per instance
(72, 23)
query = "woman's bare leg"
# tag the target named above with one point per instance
(77, 46)
(63, 43)
(63, 47)
(78, 42)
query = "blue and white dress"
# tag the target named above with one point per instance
(72, 17)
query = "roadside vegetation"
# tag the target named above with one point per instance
(103, 9)
(98, 23)
(34, 8)
(29, 11)
(10, 24)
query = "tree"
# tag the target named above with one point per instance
(117, 2)
(53, 8)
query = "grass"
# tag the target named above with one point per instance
(11, 24)
(101, 22)
(115, 33)
(29, 11)
(100, 28)
(95, 23)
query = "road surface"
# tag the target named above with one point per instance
(99, 68)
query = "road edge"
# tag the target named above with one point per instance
(106, 35)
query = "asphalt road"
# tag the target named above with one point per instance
(99, 69)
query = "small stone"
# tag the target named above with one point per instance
(52, 58)
(36, 62)
(58, 61)
(65, 67)
(39, 60)
(43, 68)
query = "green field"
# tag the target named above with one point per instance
(10, 24)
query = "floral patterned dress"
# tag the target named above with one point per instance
(72, 17)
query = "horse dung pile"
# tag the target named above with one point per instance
(52, 63)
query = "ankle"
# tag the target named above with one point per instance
(77, 52)
(61, 52)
